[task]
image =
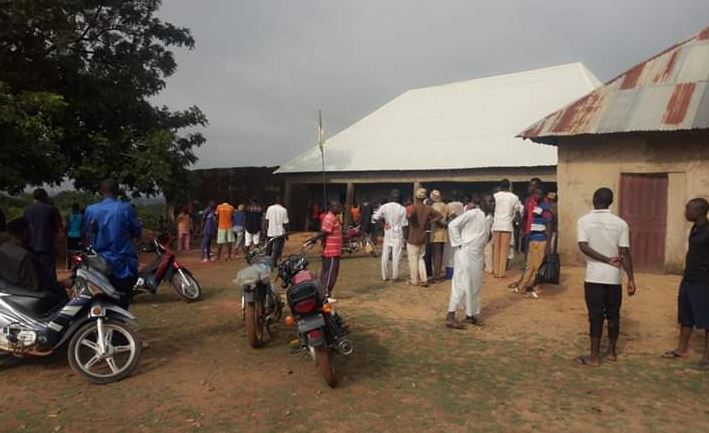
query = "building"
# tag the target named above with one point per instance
(645, 134)
(238, 185)
(455, 136)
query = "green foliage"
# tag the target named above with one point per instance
(13, 206)
(76, 77)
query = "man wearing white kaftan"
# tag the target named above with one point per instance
(394, 216)
(469, 233)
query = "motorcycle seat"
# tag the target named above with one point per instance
(34, 303)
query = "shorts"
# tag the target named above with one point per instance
(225, 236)
(693, 305)
(252, 239)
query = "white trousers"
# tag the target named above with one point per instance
(417, 265)
(391, 247)
(467, 280)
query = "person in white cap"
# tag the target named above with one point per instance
(394, 216)
(421, 216)
(439, 235)
(469, 233)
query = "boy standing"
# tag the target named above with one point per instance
(605, 241)
(225, 234)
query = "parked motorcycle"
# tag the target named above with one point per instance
(354, 240)
(165, 267)
(321, 331)
(261, 305)
(102, 348)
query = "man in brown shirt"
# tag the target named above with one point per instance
(419, 219)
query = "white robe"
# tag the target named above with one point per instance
(394, 216)
(469, 233)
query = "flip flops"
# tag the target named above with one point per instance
(673, 354)
(586, 361)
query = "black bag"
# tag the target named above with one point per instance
(550, 270)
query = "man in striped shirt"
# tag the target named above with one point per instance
(331, 232)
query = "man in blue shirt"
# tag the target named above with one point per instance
(111, 226)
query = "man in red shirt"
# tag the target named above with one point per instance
(331, 232)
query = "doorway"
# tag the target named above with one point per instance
(643, 205)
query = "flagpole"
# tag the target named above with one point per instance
(321, 143)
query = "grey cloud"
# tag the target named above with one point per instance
(262, 68)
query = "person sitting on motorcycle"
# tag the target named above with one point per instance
(18, 265)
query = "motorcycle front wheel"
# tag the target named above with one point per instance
(186, 286)
(326, 365)
(123, 350)
(253, 312)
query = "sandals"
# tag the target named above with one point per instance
(673, 354)
(586, 361)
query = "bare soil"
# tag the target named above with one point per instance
(408, 372)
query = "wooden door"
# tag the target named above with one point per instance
(643, 205)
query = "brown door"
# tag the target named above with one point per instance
(643, 205)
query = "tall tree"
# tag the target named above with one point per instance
(76, 78)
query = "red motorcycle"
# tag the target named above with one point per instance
(165, 267)
(353, 241)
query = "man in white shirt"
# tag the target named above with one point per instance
(277, 221)
(605, 241)
(507, 207)
(469, 233)
(394, 216)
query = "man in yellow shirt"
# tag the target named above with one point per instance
(225, 234)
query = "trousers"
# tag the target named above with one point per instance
(391, 248)
(603, 302)
(500, 252)
(417, 265)
(535, 257)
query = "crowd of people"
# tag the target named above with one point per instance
(460, 239)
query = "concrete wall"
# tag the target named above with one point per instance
(587, 163)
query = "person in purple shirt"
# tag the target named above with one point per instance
(111, 226)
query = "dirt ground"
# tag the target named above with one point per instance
(408, 373)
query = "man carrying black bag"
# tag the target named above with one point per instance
(539, 234)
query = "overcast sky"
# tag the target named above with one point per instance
(262, 68)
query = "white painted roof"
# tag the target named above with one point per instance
(470, 124)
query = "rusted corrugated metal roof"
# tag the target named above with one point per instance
(667, 92)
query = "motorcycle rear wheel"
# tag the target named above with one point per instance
(326, 364)
(188, 289)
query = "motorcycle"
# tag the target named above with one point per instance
(321, 331)
(261, 305)
(102, 348)
(165, 267)
(353, 241)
